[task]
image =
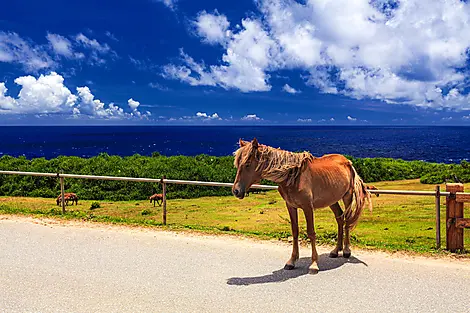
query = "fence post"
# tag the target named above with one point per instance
(454, 210)
(164, 198)
(438, 217)
(62, 194)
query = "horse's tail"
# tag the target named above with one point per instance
(360, 194)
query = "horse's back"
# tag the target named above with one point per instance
(328, 161)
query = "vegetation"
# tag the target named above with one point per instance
(397, 223)
(201, 167)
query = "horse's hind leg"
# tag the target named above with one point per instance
(294, 222)
(340, 221)
(347, 199)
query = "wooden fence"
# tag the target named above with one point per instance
(455, 199)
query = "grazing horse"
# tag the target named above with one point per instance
(308, 183)
(69, 196)
(158, 197)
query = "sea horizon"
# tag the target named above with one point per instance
(428, 143)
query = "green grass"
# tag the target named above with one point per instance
(397, 223)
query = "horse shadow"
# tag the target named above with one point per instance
(301, 268)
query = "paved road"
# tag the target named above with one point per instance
(48, 267)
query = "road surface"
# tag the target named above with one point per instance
(48, 266)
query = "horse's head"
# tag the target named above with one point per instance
(248, 172)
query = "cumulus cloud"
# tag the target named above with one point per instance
(352, 119)
(248, 56)
(251, 117)
(290, 89)
(304, 120)
(14, 49)
(133, 104)
(212, 27)
(47, 94)
(410, 52)
(204, 115)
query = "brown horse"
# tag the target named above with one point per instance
(158, 197)
(69, 196)
(308, 183)
(372, 187)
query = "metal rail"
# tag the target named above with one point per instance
(163, 181)
(203, 183)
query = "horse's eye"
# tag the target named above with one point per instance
(248, 165)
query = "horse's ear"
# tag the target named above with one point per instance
(242, 143)
(254, 143)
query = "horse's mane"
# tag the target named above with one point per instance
(276, 165)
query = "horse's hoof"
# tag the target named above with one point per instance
(289, 267)
(313, 271)
(346, 255)
(333, 254)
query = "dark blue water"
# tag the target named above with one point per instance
(437, 144)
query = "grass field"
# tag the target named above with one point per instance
(397, 223)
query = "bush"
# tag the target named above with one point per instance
(95, 205)
(146, 212)
(202, 167)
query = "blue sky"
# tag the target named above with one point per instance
(247, 62)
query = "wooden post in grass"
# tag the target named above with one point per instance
(438, 217)
(454, 211)
(164, 198)
(62, 194)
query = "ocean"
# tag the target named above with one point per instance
(428, 143)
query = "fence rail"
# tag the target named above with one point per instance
(455, 197)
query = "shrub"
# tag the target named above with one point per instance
(95, 205)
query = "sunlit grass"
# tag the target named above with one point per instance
(397, 223)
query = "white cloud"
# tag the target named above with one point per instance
(204, 115)
(133, 104)
(251, 117)
(96, 50)
(290, 89)
(111, 36)
(62, 46)
(304, 120)
(212, 27)
(47, 94)
(171, 4)
(332, 119)
(6, 103)
(395, 51)
(92, 43)
(158, 86)
(14, 49)
(352, 119)
(244, 66)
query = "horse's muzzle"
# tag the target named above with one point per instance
(238, 193)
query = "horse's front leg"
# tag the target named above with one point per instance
(294, 223)
(309, 218)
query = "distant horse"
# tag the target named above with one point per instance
(254, 191)
(69, 196)
(372, 187)
(158, 197)
(308, 183)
